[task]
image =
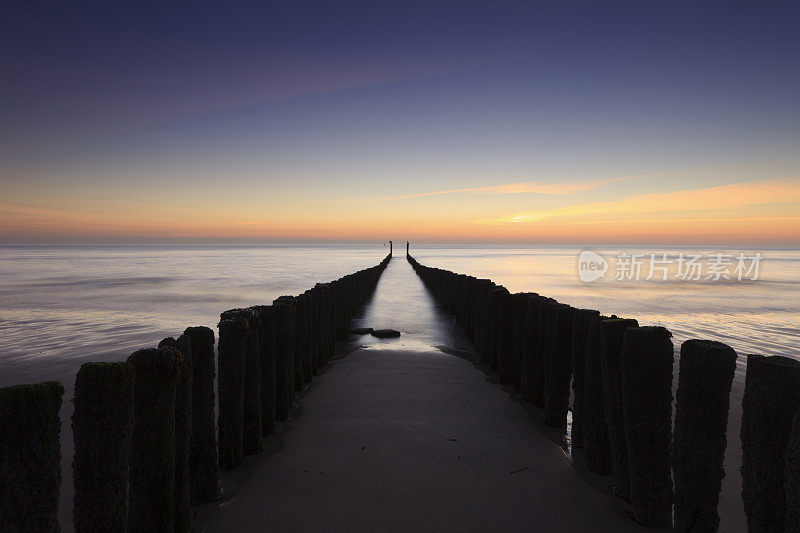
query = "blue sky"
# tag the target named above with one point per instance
(286, 113)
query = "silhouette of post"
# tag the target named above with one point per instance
(792, 474)
(30, 456)
(284, 349)
(230, 390)
(102, 425)
(613, 336)
(530, 355)
(580, 335)
(647, 358)
(557, 404)
(771, 398)
(698, 441)
(407, 245)
(204, 471)
(266, 341)
(597, 448)
(152, 466)
(390, 247)
(183, 429)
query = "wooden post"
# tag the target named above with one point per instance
(183, 430)
(102, 425)
(230, 390)
(580, 335)
(613, 336)
(530, 358)
(557, 404)
(152, 466)
(792, 474)
(597, 449)
(698, 441)
(771, 399)
(204, 470)
(30, 456)
(647, 358)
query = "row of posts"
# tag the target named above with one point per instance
(619, 375)
(147, 443)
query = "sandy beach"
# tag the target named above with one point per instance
(413, 440)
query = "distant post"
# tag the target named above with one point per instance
(390, 247)
(407, 248)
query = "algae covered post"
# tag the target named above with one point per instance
(30, 456)
(102, 426)
(646, 363)
(183, 429)
(203, 468)
(771, 397)
(230, 391)
(580, 333)
(698, 441)
(152, 466)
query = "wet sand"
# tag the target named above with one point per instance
(405, 440)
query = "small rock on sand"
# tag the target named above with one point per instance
(385, 333)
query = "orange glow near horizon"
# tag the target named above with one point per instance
(764, 212)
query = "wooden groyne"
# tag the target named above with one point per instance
(146, 442)
(621, 379)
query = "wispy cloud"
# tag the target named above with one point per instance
(705, 199)
(523, 187)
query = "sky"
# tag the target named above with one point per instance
(555, 122)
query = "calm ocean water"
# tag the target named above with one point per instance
(61, 306)
(60, 303)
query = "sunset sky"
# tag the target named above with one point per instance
(564, 122)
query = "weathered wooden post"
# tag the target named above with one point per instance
(493, 313)
(390, 248)
(484, 318)
(597, 448)
(519, 302)
(152, 466)
(251, 423)
(698, 441)
(792, 473)
(302, 340)
(580, 335)
(102, 425)
(183, 430)
(647, 358)
(284, 349)
(30, 456)
(230, 390)
(537, 390)
(498, 308)
(530, 359)
(204, 470)
(557, 404)
(613, 337)
(267, 350)
(546, 342)
(771, 399)
(407, 253)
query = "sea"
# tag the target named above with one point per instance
(63, 305)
